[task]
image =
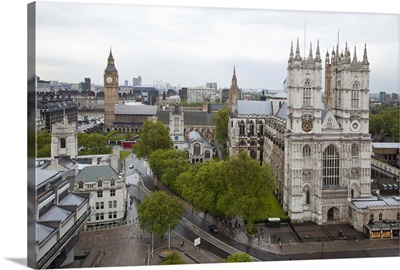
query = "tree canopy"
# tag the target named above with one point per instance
(153, 136)
(93, 144)
(239, 257)
(221, 119)
(168, 164)
(238, 187)
(43, 144)
(158, 212)
(384, 120)
(247, 189)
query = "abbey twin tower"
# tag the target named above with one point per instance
(316, 140)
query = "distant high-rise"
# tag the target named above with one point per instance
(137, 81)
(110, 91)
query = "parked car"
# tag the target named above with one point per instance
(131, 166)
(213, 228)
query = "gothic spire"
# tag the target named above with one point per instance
(291, 51)
(310, 55)
(234, 80)
(365, 58)
(355, 55)
(297, 57)
(317, 53)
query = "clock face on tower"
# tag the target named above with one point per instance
(307, 125)
(109, 80)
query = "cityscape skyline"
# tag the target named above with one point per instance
(190, 46)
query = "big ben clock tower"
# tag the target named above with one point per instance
(110, 91)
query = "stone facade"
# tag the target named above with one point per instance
(320, 149)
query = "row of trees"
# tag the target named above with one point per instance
(239, 187)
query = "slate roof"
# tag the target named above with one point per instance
(90, 173)
(383, 201)
(255, 107)
(55, 105)
(136, 109)
(43, 175)
(56, 214)
(193, 118)
(43, 231)
(282, 112)
(72, 199)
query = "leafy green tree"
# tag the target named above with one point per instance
(221, 119)
(385, 121)
(247, 189)
(238, 257)
(43, 144)
(153, 136)
(93, 144)
(168, 164)
(158, 212)
(204, 184)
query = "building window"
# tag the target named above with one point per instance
(355, 92)
(99, 194)
(80, 184)
(251, 128)
(380, 216)
(329, 123)
(307, 197)
(110, 204)
(62, 143)
(207, 154)
(306, 151)
(114, 214)
(101, 205)
(330, 166)
(101, 216)
(97, 205)
(371, 217)
(112, 183)
(242, 128)
(97, 216)
(307, 93)
(196, 149)
(112, 192)
(398, 216)
(100, 184)
(110, 215)
(115, 204)
(354, 150)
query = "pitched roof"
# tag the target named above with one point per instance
(255, 107)
(136, 109)
(91, 173)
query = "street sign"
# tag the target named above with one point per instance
(197, 241)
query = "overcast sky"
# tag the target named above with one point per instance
(190, 46)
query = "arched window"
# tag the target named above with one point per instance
(241, 128)
(62, 143)
(307, 197)
(306, 151)
(196, 149)
(261, 130)
(380, 216)
(251, 128)
(207, 154)
(355, 92)
(307, 93)
(354, 150)
(330, 166)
